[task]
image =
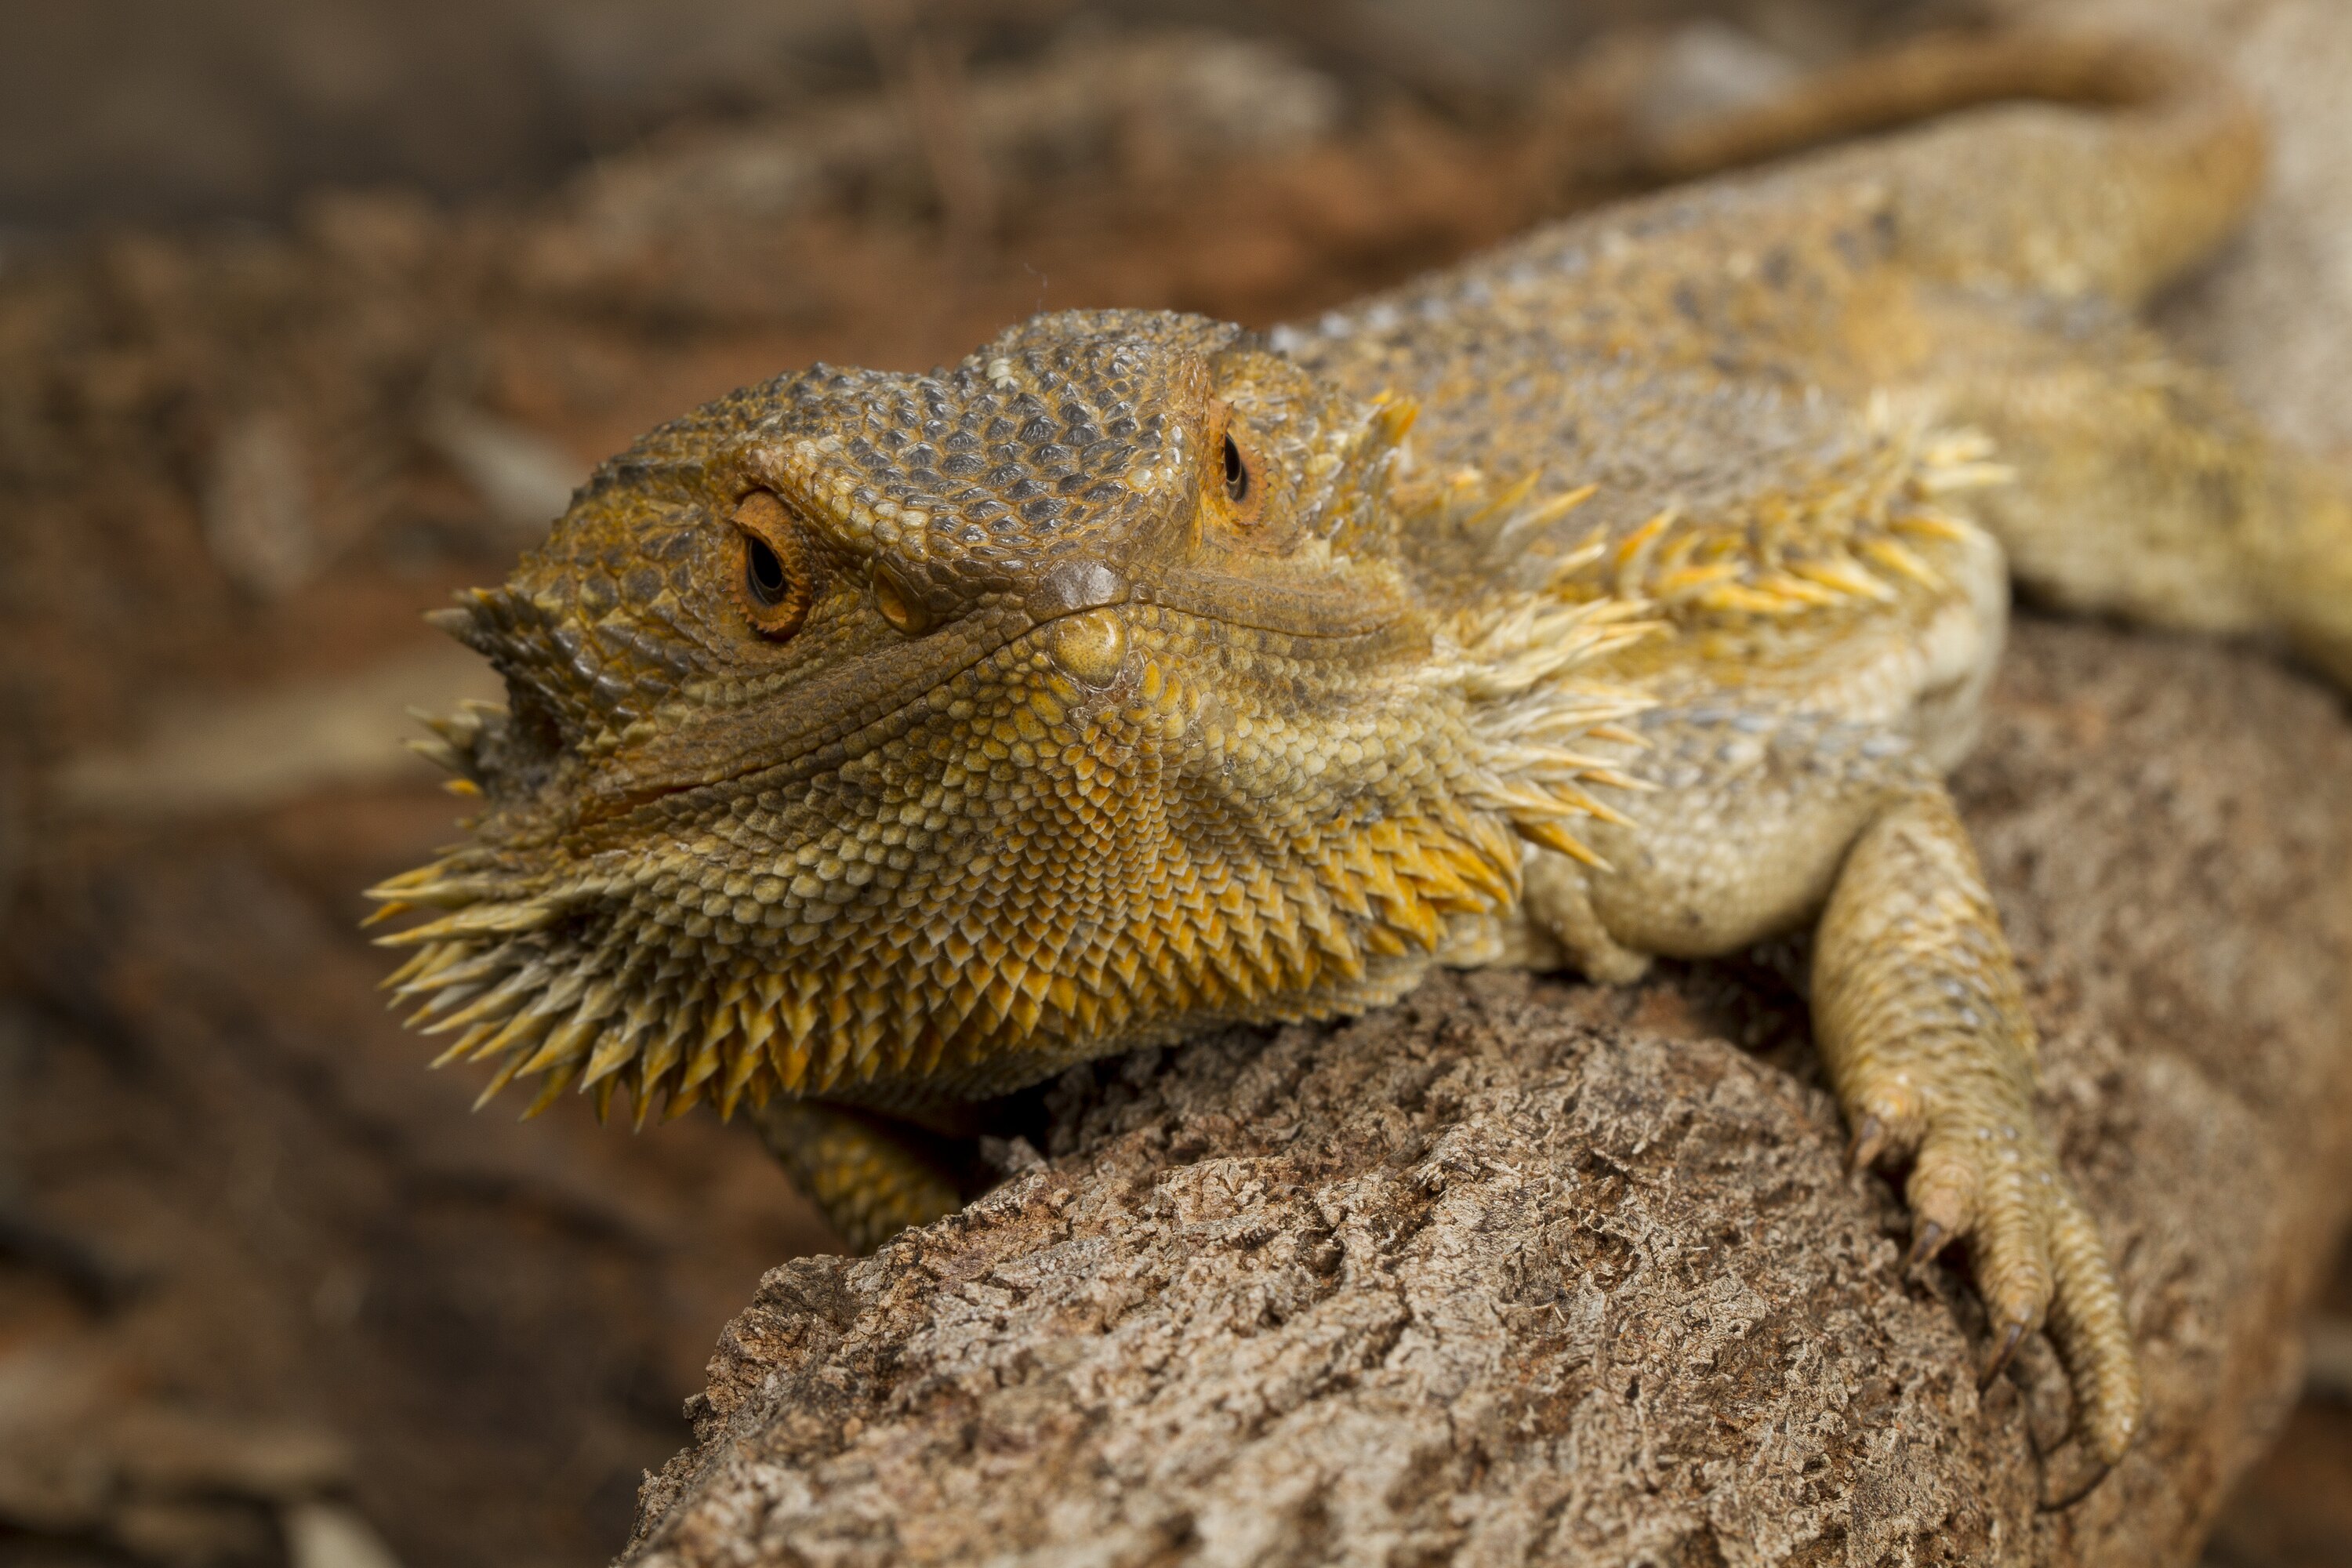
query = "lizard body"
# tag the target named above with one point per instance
(879, 744)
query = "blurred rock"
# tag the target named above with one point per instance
(238, 752)
(2276, 312)
(55, 1396)
(86, 1454)
(1706, 68)
(523, 478)
(194, 1532)
(2328, 1355)
(1098, 106)
(257, 506)
(329, 1535)
(161, 1449)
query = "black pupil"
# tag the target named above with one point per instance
(1236, 473)
(764, 573)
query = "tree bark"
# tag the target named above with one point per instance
(1526, 1270)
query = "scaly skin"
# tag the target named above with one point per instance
(877, 744)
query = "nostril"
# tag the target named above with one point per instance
(899, 604)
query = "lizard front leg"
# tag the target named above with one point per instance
(1758, 821)
(871, 1177)
(1923, 1027)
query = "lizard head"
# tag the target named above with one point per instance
(897, 737)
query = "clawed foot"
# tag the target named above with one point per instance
(1993, 1181)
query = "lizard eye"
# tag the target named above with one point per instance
(774, 581)
(765, 573)
(1237, 475)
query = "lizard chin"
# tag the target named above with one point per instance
(1060, 852)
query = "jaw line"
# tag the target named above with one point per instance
(610, 804)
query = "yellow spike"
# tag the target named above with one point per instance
(499, 1080)
(1688, 581)
(1428, 867)
(1569, 795)
(475, 968)
(1630, 551)
(517, 1033)
(550, 1090)
(1958, 445)
(568, 1040)
(1396, 415)
(788, 1059)
(742, 1063)
(1341, 950)
(496, 1003)
(1517, 491)
(1415, 916)
(1844, 574)
(613, 1052)
(417, 963)
(1930, 525)
(664, 1053)
(1896, 558)
(1576, 560)
(1559, 506)
(1938, 480)
(1791, 586)
(1550, 833)
(704, 1063)
(453, 997)
(758, 1024)
(449, 893)
(466, 1044)
(408, 882)
(1739, 598)
(605, 1099)
(680, 1101)
(641, 1099)
(499, 918)
(1026, 1012)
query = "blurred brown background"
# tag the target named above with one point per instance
(310, 312)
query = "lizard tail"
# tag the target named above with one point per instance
(2134, 165)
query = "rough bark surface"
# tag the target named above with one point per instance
(1523, 1270)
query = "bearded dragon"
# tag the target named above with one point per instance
(880, 743)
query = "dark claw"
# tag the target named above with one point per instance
(2066, 1496)
(1869, 1142)
(1925, 1245)
(2009, 1340)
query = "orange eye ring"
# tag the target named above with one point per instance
(773, 575)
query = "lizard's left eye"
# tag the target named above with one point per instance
(1240, 492)
(774, 581)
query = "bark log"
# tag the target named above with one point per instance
(1523, 1269)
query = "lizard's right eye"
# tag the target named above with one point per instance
(774, 580)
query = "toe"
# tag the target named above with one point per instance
(2014, 1270)
(2091, 1333)
(1942, 1192)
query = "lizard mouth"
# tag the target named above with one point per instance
(751, 741)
